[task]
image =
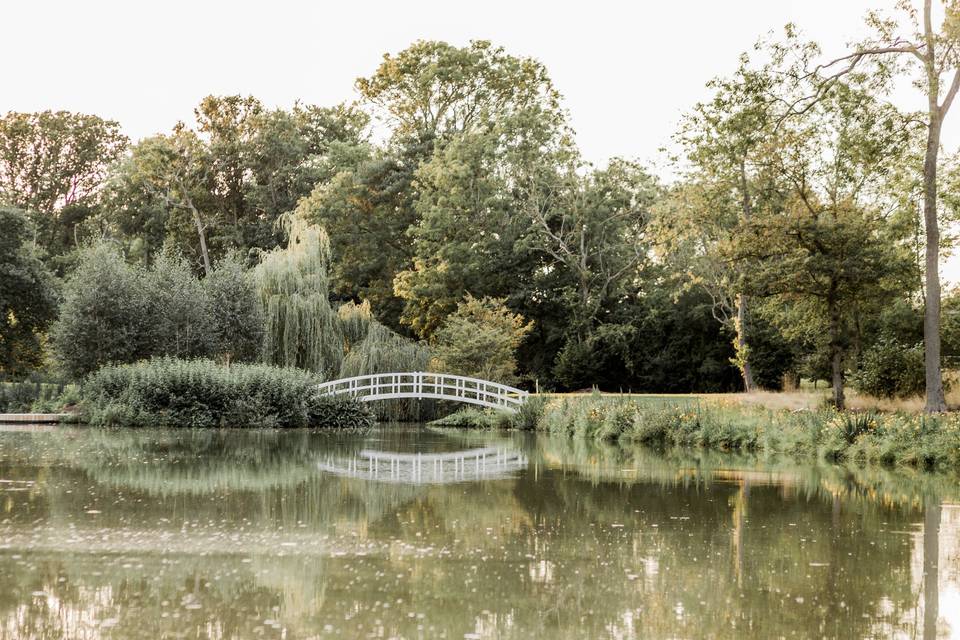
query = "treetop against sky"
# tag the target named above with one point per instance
(627, 71)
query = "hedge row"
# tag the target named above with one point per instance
(167, 392)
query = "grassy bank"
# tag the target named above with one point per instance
(768, 425)
(725, 424)
(166, 392)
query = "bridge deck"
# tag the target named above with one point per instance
(420, 384)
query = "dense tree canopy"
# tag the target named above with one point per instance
(27, 296)
(450, 208)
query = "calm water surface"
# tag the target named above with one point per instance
(414, 533)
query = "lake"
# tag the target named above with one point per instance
(409, 532)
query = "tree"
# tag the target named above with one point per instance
(934, 53)
(172, 173)
(368, 210)
(480, 340)
(27, 296)
(106, 316)
(593, 230)
(835, 241)
(226, 180)
(50, 160)
(54, 165)
(725, 142)
(180, 312)
(433, 90)
(302, 329)
(236, 314)
(468, 239)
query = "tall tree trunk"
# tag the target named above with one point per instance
(836, 354)
(743, 355)
(203, 239)
(931, 313)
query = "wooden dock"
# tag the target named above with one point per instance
(33, 418)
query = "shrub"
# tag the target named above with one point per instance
(890, 370)
(106, 314)
(117, 313)
(480, 340)
(166, 392)
(179, 310)
(236, 315)
(529, 413)
(474, 418)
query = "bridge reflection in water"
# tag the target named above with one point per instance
(488, 463)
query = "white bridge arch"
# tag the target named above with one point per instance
(420, 384)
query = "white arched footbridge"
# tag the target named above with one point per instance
(419, 384)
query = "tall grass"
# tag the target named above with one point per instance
(890, 438)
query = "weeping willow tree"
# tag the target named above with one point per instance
(383, 351)
(302, 329)
(355, 320)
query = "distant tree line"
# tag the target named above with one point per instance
(793, 242)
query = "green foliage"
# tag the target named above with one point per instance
(355, 320)
(529, 413)
(475, 418)
(926, 442)
(526, 418)
(27, 297)
(167, 392)
(302, 329)
(437, 90)
(180, 311)
(226, 180)
(37, 396)
(236, 314)
(480, 340)
(890, 370)
(787, 243)
(117, 313)
(106, 315)
(340, 412)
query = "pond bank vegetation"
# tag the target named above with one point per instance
(726, 424)
(166, 392)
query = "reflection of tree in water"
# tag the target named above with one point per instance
(568, 549)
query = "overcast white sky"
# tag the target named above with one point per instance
(627, 69)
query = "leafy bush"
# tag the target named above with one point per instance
(890, 370)
(529, 414)
(474, 418)
(340, 412)
(36, 396)
(236, 315)
(117, 313)
(480, 340)
(106, 314)
(166, 392)
(526, 418)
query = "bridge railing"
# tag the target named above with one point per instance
(421, 384)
